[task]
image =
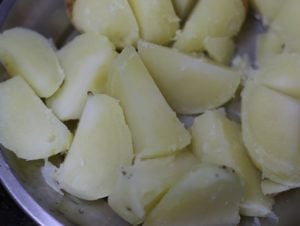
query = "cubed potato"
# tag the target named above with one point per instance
(140, 187)
(272, 188)
(217, 140)
(271, 131)
(183, 7)
(28, 54)
(85, 60)
(112, 18)
(102, 144)
(155, 128)
(190, 85)
(207, 195)
(27, 126)
(157, 20)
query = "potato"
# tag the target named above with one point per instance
(113, 18)
(211, 18)
(272, 188)
(190, 85)
(85, 60)
(183, 7)
(155, 128)
(217, 140)
(102, 144)
(140, 187)
(157, 20)
(27, 126)
(26, 53)
(207, 195)
(271, 130)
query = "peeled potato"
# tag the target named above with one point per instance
(28, 54)
(27, 126)
(272, 188)
(190, 85)
(207, 195)
(85, 60)
(102, 144)
(155, 128)
(271, 130)
(183, 7)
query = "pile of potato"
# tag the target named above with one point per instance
(136, 67)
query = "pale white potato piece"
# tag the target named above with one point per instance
(101, 146)
(155, 128)
(27, 126)
(112, 18)
(140, 187)
(207, 195)
(212, 18)
(157, 20)
(271, 130)
(85, 60)
(28, 54)
(190, 85)
(183, 7)
(272, 188)
(217, 140)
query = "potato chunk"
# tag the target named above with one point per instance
(102, 144)
(207, 195)
(155, 128)
(190, 85)
(30, 55)
(272, 188)
(217, 140)
(113, 18)
(85, 60)
(271, 130)
(27, 126)
(183, 7)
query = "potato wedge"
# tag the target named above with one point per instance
(183, 7)
(155, 128)
(207, 195)
(272, 188)
(85, 60)
(102, 144)
(28, 54)
(190, 85)
(27, 126)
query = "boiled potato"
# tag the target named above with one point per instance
(272, 188)
(85, 60)
(157, 20)
(271, 130)
(140, 187)
(155, 128)
(211, 18)
(102, 144)
(207, 195)
(217, 140)
(27, 126)
(190, 85)
(113, 18)
(28, 54)
(183, 7)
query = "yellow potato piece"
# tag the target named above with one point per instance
(272, 188)
(102, 144)
(85, 60)
(271, 130)
(190, 85)
(27, 126)
(28, 54)
(155, 128)
(183, 7)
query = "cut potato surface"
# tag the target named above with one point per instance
(207, 195)
(183, 7)
(27, 126)
(113, 18)
(272, 188)
(155, 128)
(85, 61)
(271, 130)
(190, 85)
(102, 144)
(28, 54)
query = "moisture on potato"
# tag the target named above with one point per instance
(102, 144)
(27, 126)
(85, 60)
(183, 7)
(272, 188)
(155, 128)
(28, 54)
(190, 85)
(207, 195)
